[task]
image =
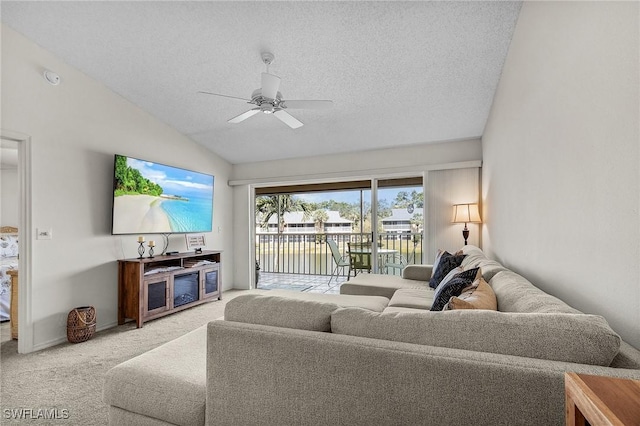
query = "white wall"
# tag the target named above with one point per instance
(561, 183)
(446, 188)
(413, 156)
(369, 164)
(9, 197)
(75, 129)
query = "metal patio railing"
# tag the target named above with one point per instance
(308, 253)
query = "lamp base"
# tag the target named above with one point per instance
(465, 234)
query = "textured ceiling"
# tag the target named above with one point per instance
(399, 73)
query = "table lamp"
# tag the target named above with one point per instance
(466, 213)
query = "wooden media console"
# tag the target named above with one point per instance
(150, 288)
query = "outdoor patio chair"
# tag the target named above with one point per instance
(360, 257)
(395, 262)
(342, 260)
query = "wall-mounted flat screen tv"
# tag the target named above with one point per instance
(152, 198)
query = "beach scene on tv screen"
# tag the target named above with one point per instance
(155, 198)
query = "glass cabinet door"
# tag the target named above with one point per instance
(210, 283)
(156, 295)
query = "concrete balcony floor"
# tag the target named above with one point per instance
(301, 282)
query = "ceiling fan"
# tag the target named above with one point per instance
(269, 100)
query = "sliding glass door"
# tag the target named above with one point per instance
(400, 218)
(293, 224)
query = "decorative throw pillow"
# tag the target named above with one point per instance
(453, 287)
(480, 296)
(445, 264)
(437, 260)
(452, 273)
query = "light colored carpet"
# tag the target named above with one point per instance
(70, 376)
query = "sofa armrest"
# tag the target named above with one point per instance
(417, 272)
(260, 375)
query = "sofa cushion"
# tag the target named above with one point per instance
(489, 268)
(372, 303)
(443, 264)
(304, 311)
(394, 309)
(378, 285)
(167, 383)
(478, 296)
(417, 272)
(453, 286)
(415, 298)
(628, 357)
(280, 312)
(475, 258)
(515, 293)
(584, 339)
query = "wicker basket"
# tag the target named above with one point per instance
(81, 324)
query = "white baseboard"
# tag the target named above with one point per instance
(63, 339)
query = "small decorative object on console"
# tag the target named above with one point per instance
(195, 242)
(140, 247)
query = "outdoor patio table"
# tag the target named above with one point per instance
(383, 254)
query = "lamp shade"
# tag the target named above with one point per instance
(466, 213)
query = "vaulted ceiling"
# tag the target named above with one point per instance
(399, 73)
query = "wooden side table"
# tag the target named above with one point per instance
(601, 400)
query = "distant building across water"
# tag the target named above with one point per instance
(402, 222)
(297, 223)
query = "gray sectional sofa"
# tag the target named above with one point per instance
(374, 355)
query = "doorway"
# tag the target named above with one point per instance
(9, 242)
(16, 157)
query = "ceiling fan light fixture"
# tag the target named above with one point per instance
(268, 99)
(266, 108)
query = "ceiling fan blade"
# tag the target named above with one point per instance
(307, 104)
(288, 119)
(270, 85)
(244, 115)
(225, 96)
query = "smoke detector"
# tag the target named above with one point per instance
(51, 77)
